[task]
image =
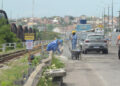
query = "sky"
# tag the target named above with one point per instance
(48, 8)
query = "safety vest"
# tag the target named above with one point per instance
(119, 37)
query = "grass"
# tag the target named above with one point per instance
(58, 63)
(47, 81)
(14, 72)
(16, 69)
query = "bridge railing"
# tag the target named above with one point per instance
(41, 43)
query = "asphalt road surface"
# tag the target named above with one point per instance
(93, 70)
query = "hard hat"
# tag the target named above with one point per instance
(74, 31)
(61, 41)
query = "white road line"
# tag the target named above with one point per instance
(97, 74)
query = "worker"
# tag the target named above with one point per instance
(54, 46)
(74, 39)
(118, 39)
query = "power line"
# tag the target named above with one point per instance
(104, 18)
(33, 4)
(119, 20)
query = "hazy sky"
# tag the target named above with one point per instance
(23, 8)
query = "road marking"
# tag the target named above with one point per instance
(97, 74)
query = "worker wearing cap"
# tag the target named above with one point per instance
(74, 39)
(54, 46)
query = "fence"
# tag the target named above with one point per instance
(114, 38)
(2, 47)
(6, 45)
(14, 45)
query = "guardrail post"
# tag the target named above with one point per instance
(23, 43)
(3, 47)
(34, 43)
(14, 45)
(42, 46)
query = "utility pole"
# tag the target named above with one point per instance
(119, 20)
(11, 15)
(33, 4)
(108, 17)
(112, 15)
(104, 20)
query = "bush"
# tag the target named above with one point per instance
(47, 35)
(6, 36)
(47, 80)
(58, 63)
(19, 45)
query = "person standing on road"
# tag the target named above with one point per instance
(54, 46)
(74, 39)
(118, 39)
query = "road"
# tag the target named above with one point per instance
(93, 70)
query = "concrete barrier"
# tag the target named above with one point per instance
(35, 76)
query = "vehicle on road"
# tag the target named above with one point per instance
(95, 42)
(81, 38)
(99, 30)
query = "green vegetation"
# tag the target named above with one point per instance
(13, 71)
(6, 36)
(47, 35)
(37, 59)
(47, 81)
(58, 63)
(50, 27)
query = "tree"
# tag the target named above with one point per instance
(50, 27)
(6, 36)
(47, 35)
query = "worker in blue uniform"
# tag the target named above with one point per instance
(74, 39)
(54, 46)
